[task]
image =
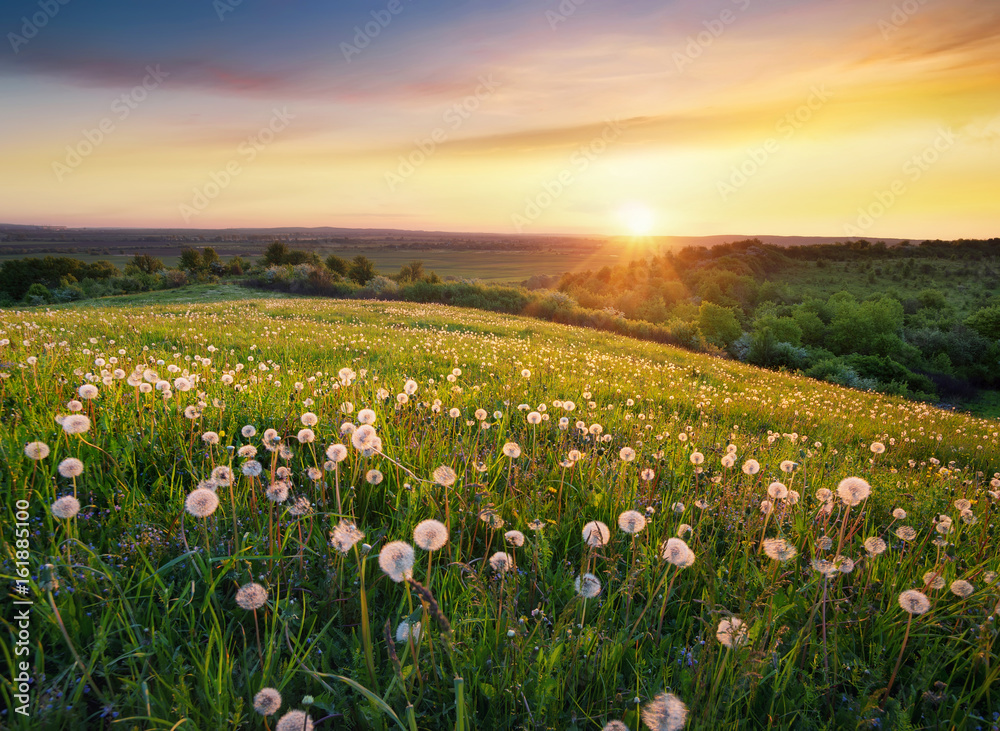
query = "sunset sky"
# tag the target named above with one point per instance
(799, 117)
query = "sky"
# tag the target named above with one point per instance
(855, 119)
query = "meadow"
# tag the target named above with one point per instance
(245, 512)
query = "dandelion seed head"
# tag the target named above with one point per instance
(751, 467)
(405, 630)
(36, 450)
(914, 602)
(345, 535)
(501, 562)
(588, 586)
(732, 632)
(396, 560)
(779, 549)
(251, 596)
(373, 477)
(249, 431)
(906, 533)
(71, 467)
(430, 535)
(596, 534)
(76, 424)
(777, 491)
(444, 476)
(251, 468)
(295, 721)
(512, 450)
(277, 491)
(632, 521)
(65, 507)
(666, 712)
(267, 701)
(677, 552)
(875, 546)
(201, 502)
(853, 490)
(514, 538)
(210, 437)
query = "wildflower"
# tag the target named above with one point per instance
(295, 721)
(697, 458)
(793, 497)
(961, 588)
(65, 507)
(251, 468)
(751, 467)
(684, 529)
(512, 450)
(914, 601)
(534, 418)
(501, 562)
(445, 476)
(615, 726)
(700, 503)
(852, 490)
(766, 507)
(373, 477)
(827, 568)
(779, 549)
(74, 405)
(824, 495)
(345, 535)
(406, 630)
(934, 580)
(728, 460)
(410, 387)
(76, 424)
(588, 586)
(787, 466)
(314, 473)
(396, 560)
(843, 564)
(366, 416)
(222, 475)
(481, 414)
(430, 535)
(875, 546)
(300, 506)
(536, 525)
(962, 505)
(267, 702)
(249, 431)
(877, 447)
(632, 521)
(677, 552)
(88, 391)
(731, 632)
(824, 543)
(277, 491)
(899, 514)
(210, 437)
(665, 712)
(777, 491)
(201, 502)
(252, 596)
(36, 450)
(627, 454)
(906, 533)
(270, 439)
(677, 508)
(647, 475)
(454, 413)
(309, 419)
(306, 436)
(71, 467)
(596, 534)
(514, 538)
(336, 452)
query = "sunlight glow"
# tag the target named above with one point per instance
(638, 219)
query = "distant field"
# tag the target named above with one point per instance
(489, 265)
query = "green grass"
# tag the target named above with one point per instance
(154, 638)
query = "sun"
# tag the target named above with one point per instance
(637, 218)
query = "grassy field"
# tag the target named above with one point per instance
(749, 583)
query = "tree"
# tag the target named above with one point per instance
(146, 263)
(986, 322)
(209, 257)
(275, 254)
(337, 265)
(718, 324)
(191, 260)
(102, 269)
(362, 270)
(412, 272)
